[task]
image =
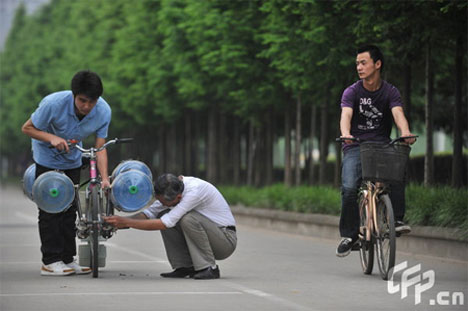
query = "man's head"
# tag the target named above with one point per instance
(86, 88)
(168, 189)
(369, 60)
(87, 83)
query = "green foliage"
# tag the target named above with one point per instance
(161, 60)
(301, 199)
(441, 206)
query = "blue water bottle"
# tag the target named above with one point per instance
(28, 180)
(131, 190)
(53, 192)
(132, 164)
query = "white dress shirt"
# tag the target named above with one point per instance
(200, 196)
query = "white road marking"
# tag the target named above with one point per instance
(118, 293)
(288, 304)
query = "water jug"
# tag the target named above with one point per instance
(28, 180)
(84, 255)
(53, 192)
(132, 164)
(131, 191)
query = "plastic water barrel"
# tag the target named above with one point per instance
(131, 191)
(28, 180)
(53, 192)
(132, 164)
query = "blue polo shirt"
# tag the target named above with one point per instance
(56, 115)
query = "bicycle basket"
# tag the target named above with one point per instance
(384, 162)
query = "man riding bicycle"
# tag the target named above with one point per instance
(367, 108)
(63, 116)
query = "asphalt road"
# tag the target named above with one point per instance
(269, 271)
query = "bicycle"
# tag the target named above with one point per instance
(90, 224)
(381, 163)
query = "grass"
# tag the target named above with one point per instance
(434, 206)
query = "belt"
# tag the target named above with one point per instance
(233, 228)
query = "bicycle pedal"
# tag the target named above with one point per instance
(356, 247)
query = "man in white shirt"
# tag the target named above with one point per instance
(196, 225)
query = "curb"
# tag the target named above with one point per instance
(445, 243)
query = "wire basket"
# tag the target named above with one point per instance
(384, 162)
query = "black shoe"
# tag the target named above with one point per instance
(207, 274)
(179, 273)
(345, 246)
(401, 228)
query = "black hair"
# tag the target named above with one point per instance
(374, 53)
(169, 186)
(87, 83)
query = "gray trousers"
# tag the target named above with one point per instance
(197, 242)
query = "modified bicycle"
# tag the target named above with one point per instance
(54, 192)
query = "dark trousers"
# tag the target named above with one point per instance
(351, 178)
(57, 231)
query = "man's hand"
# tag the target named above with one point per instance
(346, 140)
(105, 183)
(117, 221)
(59, 143)
(408, 141)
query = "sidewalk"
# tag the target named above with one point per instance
(444, 243)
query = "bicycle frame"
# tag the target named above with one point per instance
(371, 193)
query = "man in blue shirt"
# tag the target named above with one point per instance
(63, 116)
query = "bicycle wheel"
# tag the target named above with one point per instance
(366, 250)
(386, 245)
(94, 239)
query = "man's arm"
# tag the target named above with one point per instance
(345, 123)
(402, 123)
(138, 221)
(29, 129)
(102, 163)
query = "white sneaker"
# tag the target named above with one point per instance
(78, 269)
(57, 268)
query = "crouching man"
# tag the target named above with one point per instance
(196, 225)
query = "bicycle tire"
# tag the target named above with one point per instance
(95, 208)
(386, 239)
(366, 249)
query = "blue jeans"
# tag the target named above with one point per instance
(351, 179)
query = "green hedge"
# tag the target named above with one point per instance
(437, 206)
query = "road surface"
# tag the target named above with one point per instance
(268, 271)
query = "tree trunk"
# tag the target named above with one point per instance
(236, 152)
(269, 133)
(188, 143)
(211, 160)
(429, 158)
(251, 154)
(287, 149)
(324, 140)
(297, 151)
(171, 145)
(162, 150)
(259, 160)
(222, 149)
(313, 126)
(196, 140)
(457, 162)
(407, 92)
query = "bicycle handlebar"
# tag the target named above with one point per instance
(74, 143)
(359, 140)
